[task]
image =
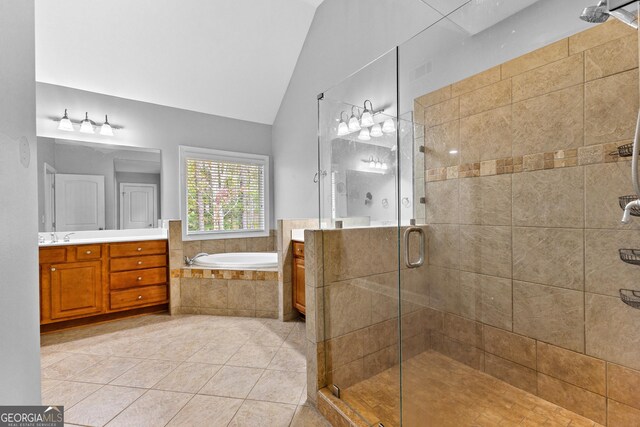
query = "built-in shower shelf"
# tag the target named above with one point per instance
(630, 256)
(630, 297)
(624, 200)
(625, 150)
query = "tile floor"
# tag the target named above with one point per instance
(179, 371)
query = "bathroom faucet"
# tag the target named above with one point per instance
(67, 237)
(54, 238)
(190, 261)
(626, 216)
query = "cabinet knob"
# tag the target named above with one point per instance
(139, 262)
(53, 269)
(139, 249)
(139, 278)
(139, 296)
(88, 252)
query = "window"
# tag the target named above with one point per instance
(224, 194)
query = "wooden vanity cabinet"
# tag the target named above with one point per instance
(98, 281)
(298, 277)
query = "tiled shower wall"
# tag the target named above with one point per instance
(524, 223)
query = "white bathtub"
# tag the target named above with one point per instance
(239, 261)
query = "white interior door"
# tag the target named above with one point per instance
(79, 201)
(137, 206)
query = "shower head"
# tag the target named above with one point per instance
(595, 14)
(599, 14)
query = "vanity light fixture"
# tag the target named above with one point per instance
(372, 163)
(366, 120)
(86, 126)
(343, 128)
(364, 134)
(376, 130)
(354, 123)
(388, 126)
(65, 124)
(106, 129)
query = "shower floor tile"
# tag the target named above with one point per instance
(439, 391)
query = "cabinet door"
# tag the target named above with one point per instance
(76, 289)
(298, 285)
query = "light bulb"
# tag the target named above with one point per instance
(385, 167)
(366, 120)
(343, 129)
(106, 129)
(86, 126)
(372, 163)
(354, 124)
(376, 130)
(364, 135)
(65, 124)
(388, 126)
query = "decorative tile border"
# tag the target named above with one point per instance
(593, 154)
(205, 273)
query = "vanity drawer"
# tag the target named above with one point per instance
(138, 296)
(131, 279)
(88, 252)
(53, 255)
(151, 247)
(298, 249)
(138, 262)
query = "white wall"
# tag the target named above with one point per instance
(151, 126)
(347, 35)
(19, 296)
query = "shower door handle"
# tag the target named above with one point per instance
(407, 258)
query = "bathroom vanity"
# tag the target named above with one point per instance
(298, 277)
(87, 283)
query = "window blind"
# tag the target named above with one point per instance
(224, 196)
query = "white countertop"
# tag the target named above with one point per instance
(104, 236)
(297, 234)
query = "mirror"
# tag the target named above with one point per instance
(86, 186)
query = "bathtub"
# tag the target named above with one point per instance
(239, 261)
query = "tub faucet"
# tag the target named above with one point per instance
(190, 261)
(67, 237)
(626, 216)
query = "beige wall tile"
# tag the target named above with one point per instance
(611, 105)
(347, 307)
(463, 353)
(548, 78)
(581, 401)
(604, 183)
(414, 287)
(267, 295)
(235, 245)
(549, 314)
(191, 248)
(213, 246)
(510, 346)
(549, 198)
(512, 373)
(610, 58)
(383, 252)
(486, 136)
(343, 251)
(486, 299)
(190, 292)
(175, 235)
(463, 330)
(598, 35)
(550, 122)
(574, 368)
(214, 293)
(444, 289)
(443, 112)
(444, 245)
(242, 295)
(537, 58)
(611, 330)
(605, 273)
(620, 415)
(435, 97)
(486, 98)
(442, 204)
(381, 335)
(486, 200)
(347, 375)
(485, 78)
(623, 385)
(345, 349)
(380, 361)
(550, 256)
(486, 250)
(439, 141)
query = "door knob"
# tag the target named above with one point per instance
(53, 269)
(139, 278)
(88, 252)
(139, 296)
(139, 262)
(139, 249)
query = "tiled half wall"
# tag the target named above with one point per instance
(521, 191)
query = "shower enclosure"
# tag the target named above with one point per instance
(471, 261)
